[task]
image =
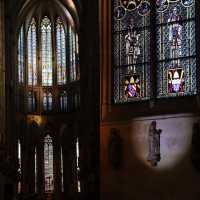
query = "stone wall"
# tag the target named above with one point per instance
(173, 178)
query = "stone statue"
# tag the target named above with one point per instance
(154, 144)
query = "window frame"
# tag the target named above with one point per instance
(155, 105)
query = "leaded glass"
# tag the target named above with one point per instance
(32, 55)
(31, 101)
(77, 166)
(19, 156)
(46, 52)
(131, 50)
(72, 44)
(48, 164)
(176, 49)
(35, 170)
(21, 55)
(61, 169)
(61, 53)
(63, 101)
(47, 101)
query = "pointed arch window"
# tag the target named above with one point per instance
(72, 44)
(21, 55)
(19, 165)
(35, 170)
(48, 164)
(77, 166)
(63, 101)
(46, 52)
(47, 101)
(61, 53)
(32, 53)
(61, 169)
(31, 101)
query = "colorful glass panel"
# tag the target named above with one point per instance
(176, 48)
(32, 54)
(21, 55)
(46, 53)
(31, 101)
(48, 164)
(131, 50)
(61, 53)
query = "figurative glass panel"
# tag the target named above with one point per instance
(21, 55)
(32, 55)
(176, 48)
(61, 53)
(46, 53)
(131, 50)
(48, 164)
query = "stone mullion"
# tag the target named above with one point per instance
(2, 75)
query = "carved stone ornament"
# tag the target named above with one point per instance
(195, 154)
(154, 144)
(115, 148)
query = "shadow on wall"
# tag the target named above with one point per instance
(174, 177)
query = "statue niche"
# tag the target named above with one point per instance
(154, 144)
(115, 148)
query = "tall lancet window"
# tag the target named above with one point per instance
(19, 165)
(61, 53)
(61, 169)
(176, 49)
(48, 164)
(46, 52)
(32, 53)
(21, 55)
(131, 50)
(35, 158)
(72, 44)
(77, 166)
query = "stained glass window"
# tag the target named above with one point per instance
(31, 101)
(77, 59)
(77, 166)
(131, 50)
(20, 165)
(61, 53)
(32, 55)
(35, 158)
(46, 52)
(47, 101)
(21, 55)
(48, 164)
(176, 48)
(63, 101)
(72, 43)
(61, 170)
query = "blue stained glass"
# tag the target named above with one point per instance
(176, 50)
(32, 55)
(31, 102)
(46, 53)
(61, 53)
(131, 51)
(21, 55)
